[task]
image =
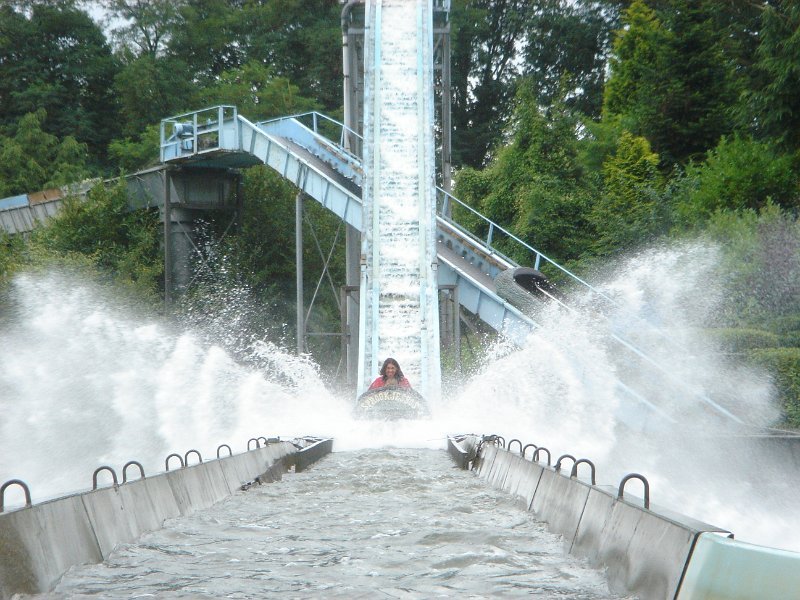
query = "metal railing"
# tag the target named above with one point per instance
(199, 131)
(322, 124)
(493, 230)
(327, 127)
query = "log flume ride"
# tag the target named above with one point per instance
(391, 404)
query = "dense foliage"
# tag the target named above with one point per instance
(587, 128)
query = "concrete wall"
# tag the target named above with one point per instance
(38, 544)
(653, 553)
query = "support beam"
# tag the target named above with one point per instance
(298, 231)
(167, 216)
(350, 306)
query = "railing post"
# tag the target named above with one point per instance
(163, 141)
(236, 133)
(220, 128)
(489, 237)
(195, 121)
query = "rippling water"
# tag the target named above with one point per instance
(391, 523)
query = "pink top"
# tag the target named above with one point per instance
(379, 383)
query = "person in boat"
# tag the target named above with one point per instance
(391, 376)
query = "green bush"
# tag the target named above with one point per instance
(118, 241)
(784, 364)
(11, 254)
(740, 340)
(787, 324)
(739, 174)
(787, 329)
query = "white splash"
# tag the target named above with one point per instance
(85, 383)
(560, 392)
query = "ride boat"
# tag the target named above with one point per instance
(391, 404)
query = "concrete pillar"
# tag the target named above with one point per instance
(182, 234)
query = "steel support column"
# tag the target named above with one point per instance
(298, 231)
(167, 216)
(350, 307)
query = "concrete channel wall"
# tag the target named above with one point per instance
(652, 553)
(39, 543)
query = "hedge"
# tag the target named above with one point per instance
(741, 340)
(784, 364)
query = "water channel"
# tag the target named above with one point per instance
(381, 523)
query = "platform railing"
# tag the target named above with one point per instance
(327, 127)
(198, 132)
(336, 131)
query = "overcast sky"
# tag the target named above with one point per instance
(97, 12)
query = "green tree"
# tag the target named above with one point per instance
(739, 174)
(486, 35)
(53, 56)
(257, 93)
(570, 40)
(207, 39)
(535, 186)
(122, 242)
(144, 26)
(151, 83)
(670, 79)
(150, 89)
(773, 102)
(299, 41)
(629, 211)
(131, 154)
(33, 159)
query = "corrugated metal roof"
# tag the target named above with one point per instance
(45, 196)
(14, 202)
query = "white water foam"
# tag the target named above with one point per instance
(560, 392)
(83, 383)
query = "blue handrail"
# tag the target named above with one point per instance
(442, 207)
